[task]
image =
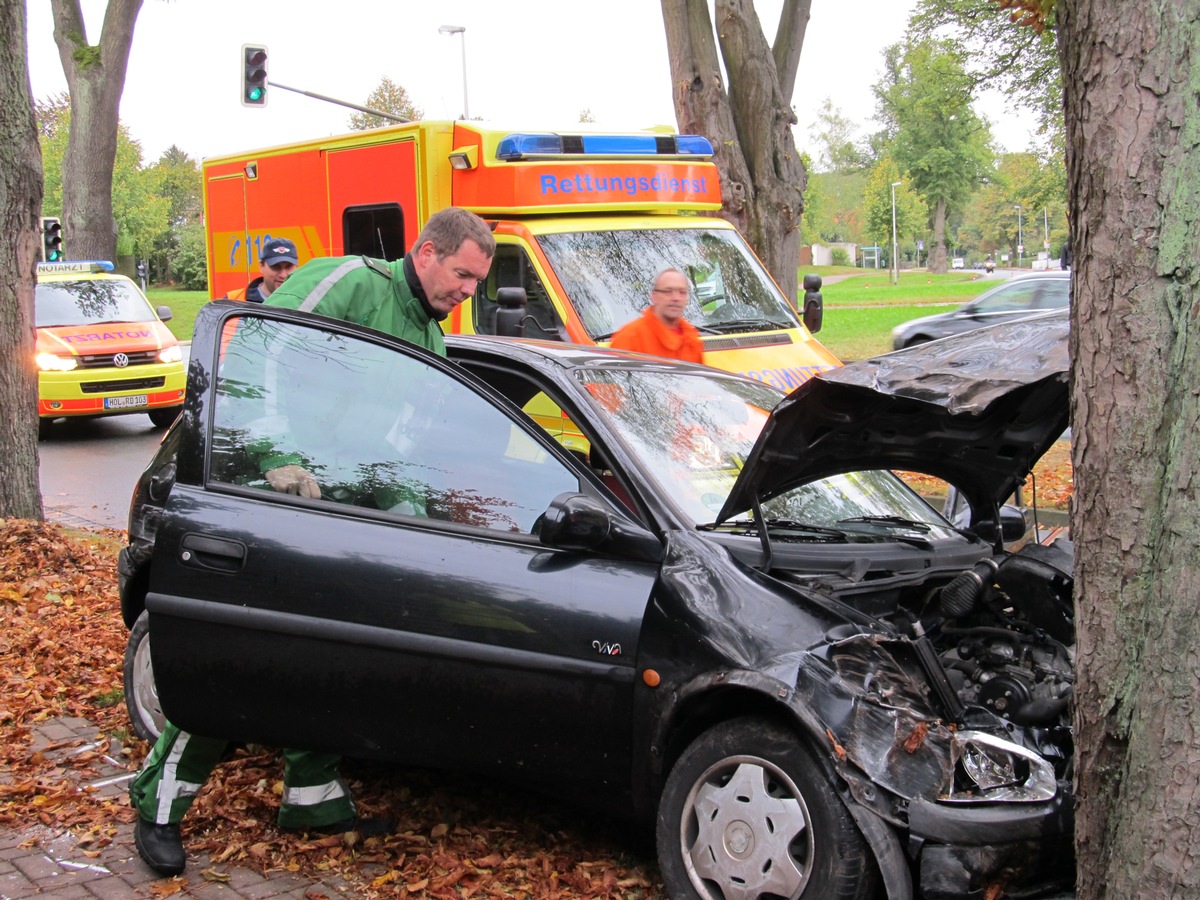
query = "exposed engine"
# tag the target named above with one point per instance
(1005, 632)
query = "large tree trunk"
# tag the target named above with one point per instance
(937, 252)
(20, 208)
(95, 79)
(1131, 76)
(762, 178)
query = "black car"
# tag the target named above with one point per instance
(650, 588)
(1015, 299)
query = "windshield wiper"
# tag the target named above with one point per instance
(829, 534)
(725, 325)
(889, 522)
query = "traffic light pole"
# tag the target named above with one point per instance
(315, 96)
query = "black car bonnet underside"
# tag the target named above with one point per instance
(976, 409)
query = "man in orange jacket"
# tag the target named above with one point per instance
(662, 330)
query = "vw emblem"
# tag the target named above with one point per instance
(120, 360)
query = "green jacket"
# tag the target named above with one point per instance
(364, 291)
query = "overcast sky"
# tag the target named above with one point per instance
(530, 64)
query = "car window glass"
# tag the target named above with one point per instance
(1010, 298)
(376, 428)
(692, 432)
(1056, 293)
(89, 302)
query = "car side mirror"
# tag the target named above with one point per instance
(164, 313)
(575, 521)
(510, 317)
(814, 304)
(1013, 526)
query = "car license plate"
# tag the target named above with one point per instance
(137, 400)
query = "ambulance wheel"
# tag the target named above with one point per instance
(44, 426)
(164, 416)
(141, 693)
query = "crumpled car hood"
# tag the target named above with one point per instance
(977, 410)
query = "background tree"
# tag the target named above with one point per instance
(834, 136)
(139, 208)
(924, 102)
(388, 97)
(176, 178)
(20, 206)
(95, 79)
(1001, 53)
(750, 124)
(911, 212)
(1132, 113)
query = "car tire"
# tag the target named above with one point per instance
(141, 693)
(916, 341)
(44, 427)
(747, 812)
(163, 416)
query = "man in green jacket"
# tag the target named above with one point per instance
(407, 299)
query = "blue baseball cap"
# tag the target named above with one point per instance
(279, 250)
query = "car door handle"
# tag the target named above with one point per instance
(206, 552)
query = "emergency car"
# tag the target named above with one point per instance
(583, 222)
(102, 349)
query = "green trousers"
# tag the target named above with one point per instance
(179, 764)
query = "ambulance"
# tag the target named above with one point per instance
(583, 222)
(102, 349)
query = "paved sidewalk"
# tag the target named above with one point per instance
(39, 861)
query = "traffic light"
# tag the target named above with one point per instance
(52, 242)
(254, 75)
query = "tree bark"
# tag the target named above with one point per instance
(762, 178)
(1131, 76)
(95, 80)
(20, 203)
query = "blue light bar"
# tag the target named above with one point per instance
(518, 146)
(77, 265)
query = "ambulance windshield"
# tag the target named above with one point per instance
(608, 275)
(58, 303)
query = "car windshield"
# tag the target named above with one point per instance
(89, 303)
(608, 275)
(693, 432)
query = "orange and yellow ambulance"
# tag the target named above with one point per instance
(102, 349)
(583, 220)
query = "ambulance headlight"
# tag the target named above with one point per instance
(50, 362)
(170, 354)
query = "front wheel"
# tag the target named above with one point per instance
(141, 693)
(747, 813)
(163, 415)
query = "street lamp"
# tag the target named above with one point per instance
(895, 257)
(460, 30)
(1020, 236)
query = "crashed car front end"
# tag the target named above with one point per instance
(956, 733)
(947, 714)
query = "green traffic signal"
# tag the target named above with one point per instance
(254, 75)
(52, 241)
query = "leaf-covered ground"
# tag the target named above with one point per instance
(1052, 480)
(61, 655)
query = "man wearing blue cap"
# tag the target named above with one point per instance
(276, 262)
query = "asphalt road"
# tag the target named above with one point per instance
(88, 468)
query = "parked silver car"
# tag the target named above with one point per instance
(1022, 296)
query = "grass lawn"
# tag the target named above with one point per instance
(862, 332)
(184, 306)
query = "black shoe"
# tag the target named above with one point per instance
(368, 826)
(159, 846)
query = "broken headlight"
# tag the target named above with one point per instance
(990, 769)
